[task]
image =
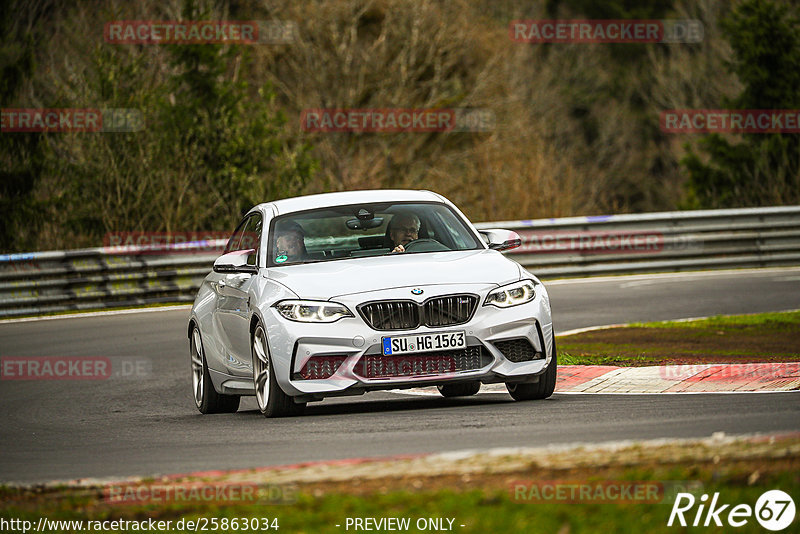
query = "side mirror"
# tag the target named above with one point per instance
(501, 239)
(236, 262)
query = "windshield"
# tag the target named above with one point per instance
(367, 230)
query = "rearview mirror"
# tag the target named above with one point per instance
(239, 261)
(501, 239)
(364, 224)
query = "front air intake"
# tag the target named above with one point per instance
(518, 350)
(419, 364)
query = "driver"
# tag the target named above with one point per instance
(403, 229)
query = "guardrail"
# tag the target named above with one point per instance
(657, 242)
(106, 277)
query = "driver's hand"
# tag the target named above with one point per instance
(399, 248)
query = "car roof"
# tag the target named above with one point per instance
(344, 198)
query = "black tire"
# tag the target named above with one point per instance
(541, 389)
(459, 390)
(272, 401)
(206, 398)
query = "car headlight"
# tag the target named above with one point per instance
(512, 294)
(312, 311)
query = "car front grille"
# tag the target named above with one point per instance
(391, 314)
(450, 310)
(422, 363)
(518, 350)
(406, 315)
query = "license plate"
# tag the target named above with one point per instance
(424, 343)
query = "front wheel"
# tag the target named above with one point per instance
(272, 401)
(206, 397)
(541, 389)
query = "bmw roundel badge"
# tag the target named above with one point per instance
(416, 291)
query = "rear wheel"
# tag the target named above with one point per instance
(206, 397)
(272, 401)
(459, 390)
(541, 389)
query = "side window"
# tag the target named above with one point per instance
(247, 236)
(236, 237)
(251, 238)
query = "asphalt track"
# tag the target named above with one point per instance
(146, 424)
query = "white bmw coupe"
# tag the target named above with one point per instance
(344, 293)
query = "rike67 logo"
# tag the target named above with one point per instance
(774, 510)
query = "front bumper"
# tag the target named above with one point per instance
(350, 340)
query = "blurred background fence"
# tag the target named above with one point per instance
(108, 277)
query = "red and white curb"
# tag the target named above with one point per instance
(705, 378)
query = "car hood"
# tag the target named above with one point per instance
(327, 280)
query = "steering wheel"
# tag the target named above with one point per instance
(425, 245)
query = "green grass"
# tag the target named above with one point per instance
(481, 511)
(766, 337)
(565, 358)
(486, 500)
(775, 321)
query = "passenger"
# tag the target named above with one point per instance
(290, 245)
